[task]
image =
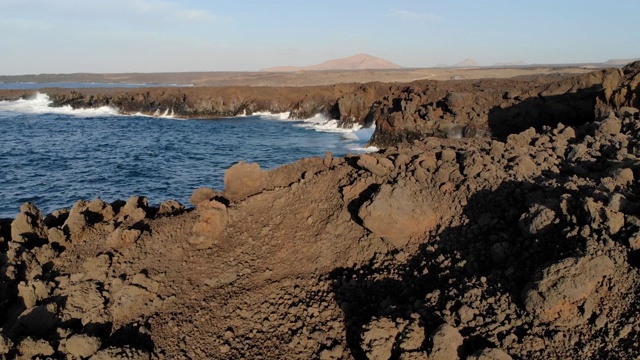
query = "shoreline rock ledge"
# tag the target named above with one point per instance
(400, 112)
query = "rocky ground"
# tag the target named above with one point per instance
(523, 246)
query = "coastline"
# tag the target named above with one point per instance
(400, 112)
(433, 246)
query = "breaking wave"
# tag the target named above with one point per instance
(356, 135)
(41, 104)
(284, 116)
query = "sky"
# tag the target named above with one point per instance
(112, 36)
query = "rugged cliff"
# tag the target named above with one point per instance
(500, 107)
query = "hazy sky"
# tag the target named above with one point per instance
(63, 36)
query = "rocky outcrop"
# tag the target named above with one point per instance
(400, 112)
(458, 109)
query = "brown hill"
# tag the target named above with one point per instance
(466, 63)
(355, 62)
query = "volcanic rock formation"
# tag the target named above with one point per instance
(521, 246)
(461, 108)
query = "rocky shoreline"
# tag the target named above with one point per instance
(523, 245)
(401, 112)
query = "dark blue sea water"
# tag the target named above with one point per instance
(55, 156)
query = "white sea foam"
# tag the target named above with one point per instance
(165, 114)
(323, 124)
(354, 135)
(367, 149)
(359, 137)
(266, 115)
(284, 116)
(40, 105)
(365, 134)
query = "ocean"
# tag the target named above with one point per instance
(56, 156)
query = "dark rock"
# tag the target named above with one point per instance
(170, 207)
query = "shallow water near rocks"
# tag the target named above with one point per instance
(55, 156)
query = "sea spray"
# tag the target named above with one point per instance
(41, 104)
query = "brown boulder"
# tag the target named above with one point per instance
(622, 177)
(202, 194)
(30, 348)
(98, 210)
(372, 165)
(28, 225)
(243, 180)
(130, 302)
(170, 207)
(135, 209)
(524, 167)
(459, 100)
(537, 220)
(5, 345)
(558, 294)
(82, 345)
(447, 343)
(378, 338)
(85, 302)
(121, 238)
(213, 220)
(76, 222)
(396, 214)
(609, 126)
(412, 337)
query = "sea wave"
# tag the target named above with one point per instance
(324, 124)
(284, 116)
(41, 104)
(355, 134)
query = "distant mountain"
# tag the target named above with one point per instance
(614, 62)
(466, 63)
(355, 62)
